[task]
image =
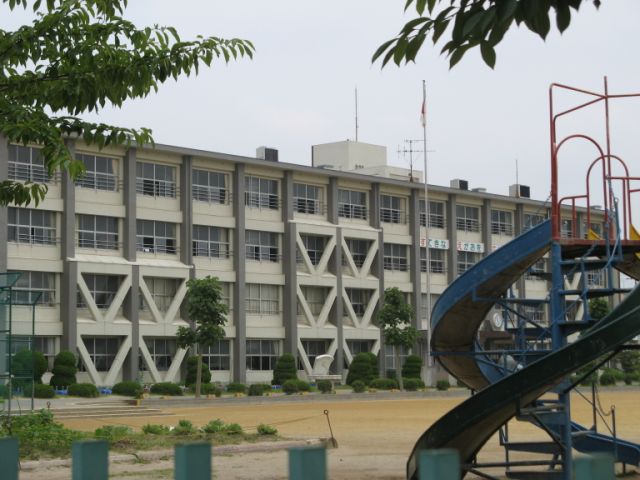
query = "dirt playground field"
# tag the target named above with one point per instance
(374, 436)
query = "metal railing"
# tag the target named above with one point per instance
(350, 210)
(27, 172)
(156, 188)
(269, 201)
(211, 249)
(217, 195)
(99, 181)
(32, 239)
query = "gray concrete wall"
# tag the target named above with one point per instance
(239, 259)
(69, 280)
(290, 307)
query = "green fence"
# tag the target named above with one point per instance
(90, 461)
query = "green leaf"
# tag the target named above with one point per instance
(420, 5)
(457, 55)
(471, 23)
(506, 9)
(488, 54)
(563, 16)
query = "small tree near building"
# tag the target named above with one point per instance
(208, 314)
(394, 320)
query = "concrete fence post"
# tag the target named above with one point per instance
(90, 460)
(308, 463)
(9, 458)
(441, 464)
(193, 461)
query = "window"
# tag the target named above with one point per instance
(352, 204)
(99, 173)
(163, 291)
(315, 297)
(31, 285)
(531, 220)
(391, 209)
(313, 348)
(262, 299)
(423, 304)
(27, 165)
(162, 351)
(155, 237)
(358, 249)
(314, 246)
(209, 186)
(436, 214)
(44, 345)
(595, 279)
(437, 260)
(566, 228)
(395, 257)
(155, 180)
(501, 222)
(466, 260)
(210, 242)
(467, 218)
(306, 198)
(536, 270)
(262, 246)
(390, 358)
(262, 354)
(359, 346)
(534, 312)
(31, 226)
(102, 350)
(359, 299)
(96, 231)
(103, 289)
(261, 192)
(217, 356)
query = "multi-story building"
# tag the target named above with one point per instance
(303, 253)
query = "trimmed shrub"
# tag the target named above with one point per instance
(192, 371)
(412, 367)
(607, 378)
(290, 386)
(167, 388)
(361, 368)
(384, 383)
(264, 429)
(64, 370)
(184, 427)
(285, 369)
(442, 385)
(324, 386)
(209, 389)
(128, 389)
(155, 429)
(258, 389)
(214, 426)
(43, 391)
(412, 384)
(87, 390)
(303, 386)
(628, 378)
(113, 433)
(28, 366)
(358, 386)
(236, 388)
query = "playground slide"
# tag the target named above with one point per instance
(456, 318)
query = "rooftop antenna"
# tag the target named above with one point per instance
(410, 149)
(356, 114)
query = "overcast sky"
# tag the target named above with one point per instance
(299, 88)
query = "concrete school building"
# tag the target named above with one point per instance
(304, 254)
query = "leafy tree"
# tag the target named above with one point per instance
(598, 308)
(192, 370)
(64, 370)
(285, 369)
(28, 366)
(394, 319)
(629, 360)
(362, 369)
(78, 56)
(207, 312)
(474, 23)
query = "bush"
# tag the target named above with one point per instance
(64, 370)
(607, 378)
(358, 386)
(617, 374)
(285, 369)
(192, 370)
(209, 389)
(412, 384)
(442, 385)
(184, 427)
(87, 390)
(303, 386)
(384, 383)
(236, 388)
(258, 389)
(43, 391)
(325, 386)
(290, 386)
(127, 388)
(28, 366)
(361, 368)
(267, 430)
(112, 433)
(167, 388)
(214, 426)
(155, 429)
(412, 367)
(628, 378)
(232, 429)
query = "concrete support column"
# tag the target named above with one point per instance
(338, 308)
(4, 215)
(69, 281)
(414, 256)
(452, 235)
(378, 263)
(239, 258)
(518, 225)
(131, 311)
(485, 225)
(186, 205)
(290, 307)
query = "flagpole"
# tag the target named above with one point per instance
(426, 222)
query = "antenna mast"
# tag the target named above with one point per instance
(356, 114)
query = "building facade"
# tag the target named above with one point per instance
(303, 254)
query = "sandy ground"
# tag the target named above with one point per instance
(374, 436)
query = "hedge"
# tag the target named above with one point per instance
(87, 390)
(167, 388)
